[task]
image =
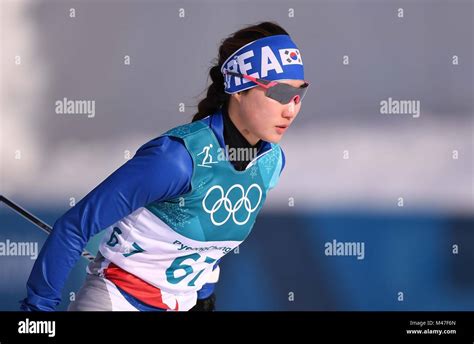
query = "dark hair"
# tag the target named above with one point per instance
(216, 97)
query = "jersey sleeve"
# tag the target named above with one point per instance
(161, 169)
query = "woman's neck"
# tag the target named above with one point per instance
(235, 141)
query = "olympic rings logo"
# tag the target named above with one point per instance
(227, 203)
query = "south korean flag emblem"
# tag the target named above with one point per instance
(290, 56)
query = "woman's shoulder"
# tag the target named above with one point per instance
(167, 150)
(184, 130)
(162, 143)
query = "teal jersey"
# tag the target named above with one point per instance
(173, 244)
(223, 203)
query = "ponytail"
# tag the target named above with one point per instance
(216, 97)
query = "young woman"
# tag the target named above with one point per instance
(183, 202)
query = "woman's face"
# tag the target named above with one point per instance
(260, 117)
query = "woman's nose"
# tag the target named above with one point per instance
(290, 110)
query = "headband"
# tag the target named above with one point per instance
(270, 58)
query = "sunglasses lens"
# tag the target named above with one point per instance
(284, 93)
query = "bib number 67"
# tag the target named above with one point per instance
(178, 265)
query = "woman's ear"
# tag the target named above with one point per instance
(237, 96)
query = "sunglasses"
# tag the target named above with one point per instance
(278, 91)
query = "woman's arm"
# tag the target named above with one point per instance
(161, 169)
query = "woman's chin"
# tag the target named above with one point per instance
(273, 138)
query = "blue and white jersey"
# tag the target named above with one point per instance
(174, 244)
(170, 213)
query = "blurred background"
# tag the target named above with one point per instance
(399, 184)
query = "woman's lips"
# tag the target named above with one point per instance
(281, 129)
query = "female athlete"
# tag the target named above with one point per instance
(187, 197)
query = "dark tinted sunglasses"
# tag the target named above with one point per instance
(278, 91)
